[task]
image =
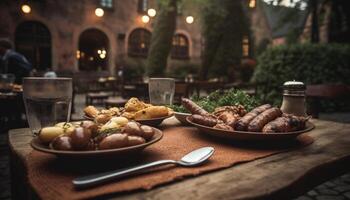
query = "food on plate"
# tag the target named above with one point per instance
(91, 111)
(193, 107)
(219, 98)
(258, 123)
(133, 109)
(286, 123)
(151, 112)
(118, 132)
(81, 138)
(204, 120)
(229, 114)
(62, 142)
(242, 124)
(134, 105)
(263, 118)
(113, 141)
(47, 134)
(223, 126)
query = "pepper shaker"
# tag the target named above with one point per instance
(294, 98)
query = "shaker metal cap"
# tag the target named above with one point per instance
(296, 85)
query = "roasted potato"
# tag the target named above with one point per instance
(114, 141)
(62, 142)
(152, 112)
(91, 111)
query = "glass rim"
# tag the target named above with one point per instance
(170, 79)
(47, 78)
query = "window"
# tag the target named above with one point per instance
(33, 40)
(106, 3)
(180, 47)
(142, 6)
(245, 46)
(179, 8)
(93, 52)
(139, 42)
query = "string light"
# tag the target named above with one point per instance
(99, 12)
(145, 19)
(26, 8)
(151, 12)
(189, 19)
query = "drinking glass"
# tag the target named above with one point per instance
(47, 101)
(161, 91)
(6, 81)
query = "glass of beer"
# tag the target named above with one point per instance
(47, 101)
(161, 91)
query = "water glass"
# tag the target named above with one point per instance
(47, 101)
(161, 91)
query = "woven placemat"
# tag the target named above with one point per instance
(52, 178)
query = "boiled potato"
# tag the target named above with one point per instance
(68, 128)
(133, 128)
(148, 132)
(114, 141)
(121, 121)
(47, 134)
(135, 140)
(109, 125)
(62, 142)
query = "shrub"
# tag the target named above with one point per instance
(309, 63)
(134, 68)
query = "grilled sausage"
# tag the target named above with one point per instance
(242, 124)
(263, 118)
(286, 123)
(204, 120)
(193, 107)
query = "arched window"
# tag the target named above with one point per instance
(33, 40)
(139, 42)
(180, 47)
(93, 50)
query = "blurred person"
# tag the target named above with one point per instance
(13, 62)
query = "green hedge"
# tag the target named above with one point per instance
(309, 63)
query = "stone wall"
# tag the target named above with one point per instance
(66, 20)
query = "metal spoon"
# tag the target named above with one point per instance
(193, 158)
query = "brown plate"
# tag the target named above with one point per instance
(149, 122)
(37, 145)
(182, 117)
(245, 135)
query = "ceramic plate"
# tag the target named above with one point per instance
(37, 145)
(245, 135)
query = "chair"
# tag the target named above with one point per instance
(181, 90)
(316, 93)
(93, 98)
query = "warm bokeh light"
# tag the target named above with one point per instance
(151, 12)
(99, 12)
(102, 56)
(145, 19)
(26, 8)
(252, 3)
(78, 54)
(189, 19)
(99, 51)
(104, 52)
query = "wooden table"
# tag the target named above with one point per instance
(281, 176)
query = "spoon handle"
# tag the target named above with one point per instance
(95, 179)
